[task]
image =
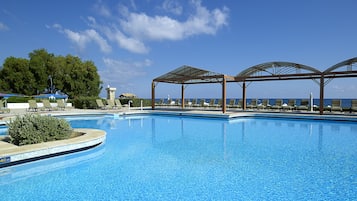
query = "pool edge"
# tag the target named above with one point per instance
(13, 155)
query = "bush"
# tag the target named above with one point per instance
(32, 129)
(85, 102)
(136, 102)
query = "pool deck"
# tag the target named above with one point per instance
(12, 154)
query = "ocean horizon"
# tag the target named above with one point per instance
(345, 102)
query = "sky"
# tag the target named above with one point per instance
(134, 41)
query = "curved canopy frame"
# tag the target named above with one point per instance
(278, 71)
(337, 71)
(191, 75)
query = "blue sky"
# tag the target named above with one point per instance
(132, 42)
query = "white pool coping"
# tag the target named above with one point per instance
(10, 153)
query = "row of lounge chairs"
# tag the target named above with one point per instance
(3, 109)
(278, 105)
(33, 106)
(111, 104)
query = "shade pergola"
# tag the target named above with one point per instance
(185, 75)
(278, 70)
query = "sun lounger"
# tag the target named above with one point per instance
(203, 103)
(264, 104)
(212, 102)
(47, 105)
(231, 103)
(253, 104)
(61, 104)
(336, 105)
(32, 106)
(240, 103)
(278, 104)
(178, 102)
(3, 109)
(101, 105)
(219, 103)
(111, 104)
(118, 103)
(160, 102)
(195, 103)
(291, 105)
(354, 105)
(304, 105)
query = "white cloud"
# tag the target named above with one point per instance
(81, 39)
(120, 73)
(3, 27)
(93, 35)
(172, 6)
(102, 9)
(131, 44)
(131, 30)
(203, 21)
(114, 34)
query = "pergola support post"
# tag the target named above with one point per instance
(244, 102)
(153, 95)
(182, 96)
(224, 94)
(322, 86)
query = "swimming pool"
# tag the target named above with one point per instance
(155, 157)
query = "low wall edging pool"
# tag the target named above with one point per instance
(13, 154)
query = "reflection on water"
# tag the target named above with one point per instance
(219, 159)
(266, 132)
(24, 171)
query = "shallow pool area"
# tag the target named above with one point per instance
(168, 157)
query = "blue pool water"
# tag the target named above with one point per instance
(183, 158)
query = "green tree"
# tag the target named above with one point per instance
(79, 78)
(16, 76)
(41, 66)
(69, 74)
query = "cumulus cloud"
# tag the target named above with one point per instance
(3, 27)
(131, 44)
(172, 6)
(81, 39)
(102, 9)
(112, 33)
(203, 21)
(120, 73)
(132, 30)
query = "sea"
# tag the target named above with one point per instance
(345, 103)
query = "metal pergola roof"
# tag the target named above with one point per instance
(337, 71)
(191, 75)
(278, 70)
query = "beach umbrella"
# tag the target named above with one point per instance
(5, 95)
(52, 96)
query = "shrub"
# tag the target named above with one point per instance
(136, 102)
(85, 102)
(32, 129)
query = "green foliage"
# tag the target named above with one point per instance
(16, 99)
(85, 102)
(136, 102)
(69, 74)
(32, 129)
(16, 76)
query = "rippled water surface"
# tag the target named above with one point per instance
(183, 158)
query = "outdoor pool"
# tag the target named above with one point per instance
(157, 157)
